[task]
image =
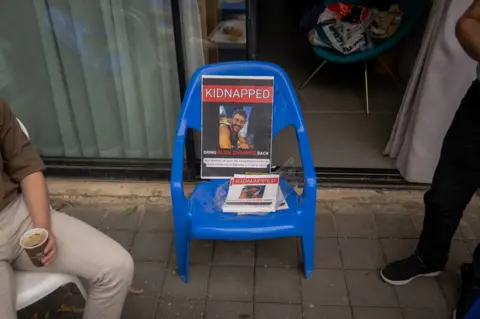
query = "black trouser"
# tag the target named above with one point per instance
(456, 180)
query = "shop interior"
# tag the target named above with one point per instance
(341, 133)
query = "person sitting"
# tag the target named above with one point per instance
(73, 247)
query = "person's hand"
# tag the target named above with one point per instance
(50, 250)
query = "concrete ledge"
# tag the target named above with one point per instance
(128, 191)
(73, 192)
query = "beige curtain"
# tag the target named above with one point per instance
(441, 76)
(92, 78)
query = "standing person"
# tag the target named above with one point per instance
(73, 247)
(456, 180)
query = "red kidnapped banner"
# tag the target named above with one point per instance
(254, 181)
(237, 94)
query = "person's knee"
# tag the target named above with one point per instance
(118, 269)
(124, 268)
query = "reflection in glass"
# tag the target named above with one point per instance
(92, 78)
(214, 31)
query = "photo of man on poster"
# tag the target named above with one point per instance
(252, 192)
(229, 130)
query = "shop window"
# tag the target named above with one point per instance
(92, 79)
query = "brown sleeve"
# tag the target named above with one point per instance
(19, 157)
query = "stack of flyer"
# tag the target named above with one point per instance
(254, 194)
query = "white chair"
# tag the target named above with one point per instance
(32, 286)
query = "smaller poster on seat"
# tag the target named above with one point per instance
(236, 125)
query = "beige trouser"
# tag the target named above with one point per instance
(81, 250)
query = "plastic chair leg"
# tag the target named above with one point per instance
(474, 312)
(392, 74)
(308, 247)
(313, 74)
(365, 65)
(182, 247)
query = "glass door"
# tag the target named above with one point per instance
(215, 31)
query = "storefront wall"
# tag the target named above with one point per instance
(92, 79)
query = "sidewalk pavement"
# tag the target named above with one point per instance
(263, 279)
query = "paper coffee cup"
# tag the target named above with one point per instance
(34, 242)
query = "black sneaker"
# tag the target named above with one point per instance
(469, 294)
(403, 271)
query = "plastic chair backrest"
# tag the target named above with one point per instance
(286, 109)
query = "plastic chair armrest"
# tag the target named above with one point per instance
(310, 177)
(176, 180)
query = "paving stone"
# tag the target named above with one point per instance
(228, 310)
(200, 252)
(50, 304)
(421, 293)
(361, 253)
(196, 288)
(359, 207)
(459, 254)
(123, 237)
(327, 253)
(149, 276)
(140, 307)
(355, 225)
(410, 313)
(325, 226)
(180, 309)
(76, 301)
(450, 282)
(236, 253)
(367, 289)
(326, 312)
(277, 285)
(122, 218)
(376, 313)
(157, 218)
(89, 214)
(152, 246)
(231, 283)
(325, 287)
(396, 226)
(277, 311)
(277, 252)
(396, 249)
(323, 207)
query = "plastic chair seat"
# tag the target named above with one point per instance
(209, 222)
(33, 286)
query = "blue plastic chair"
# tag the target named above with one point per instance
(412, 12)
(201, 217)
(474, 312)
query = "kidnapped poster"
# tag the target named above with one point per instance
(236, 125)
